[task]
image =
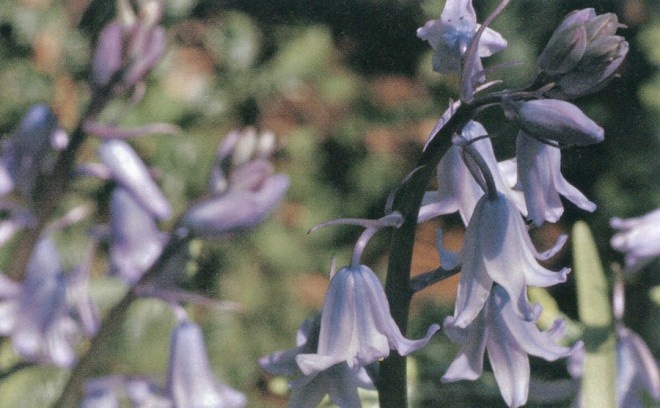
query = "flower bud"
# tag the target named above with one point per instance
(597, 67)
(107, 58)
(554, 120)
(582, 54)
(567, 44)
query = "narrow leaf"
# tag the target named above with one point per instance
(598, 381)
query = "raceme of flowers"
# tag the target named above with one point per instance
(498, 260)
(340, 350)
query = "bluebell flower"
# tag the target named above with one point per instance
(129, 47)
(128, 170)
(452, 33)
(243, 185)
(457, 189)
(25, 153)
(540, 179)
(339, 382)
(135, 242)
(36, 314)
(638, 238)
(497, 248)
(190, 381)
(356, 325)
(508, 340)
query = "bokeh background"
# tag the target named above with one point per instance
(348, 89)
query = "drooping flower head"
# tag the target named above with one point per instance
(356, 325)
(541, 181)
(508, 340)
(190, 381)
(339, 382)
(497, 248)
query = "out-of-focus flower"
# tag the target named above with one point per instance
(497, 248)
(553, 120)
(540, 179)
(457, 189)
(637, 372)
(583, 53)
(509, 340)
(638, 238)
(452, 33)
(243, 185)
(128, 170)
(129, 47)
(35, 313)
(24, 154)
(135, 242)
(190, 381)
(356, 325)
(339, 382)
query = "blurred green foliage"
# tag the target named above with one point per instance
(349, 91)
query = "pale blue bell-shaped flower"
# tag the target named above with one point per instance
(128, 170)
(637, 370)
(36, 314)
(508, 340)
(638, 238)
(497, 248)
(356, 325)
(190, 380)
(457, 189)
(135, 242)
(540, 179)
(451, 34)
(339, 382)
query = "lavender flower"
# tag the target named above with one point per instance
(638, 238)
(637, 372)
(508, 340)
(243, 185)
(130, 47)
(24, 153)
(136, 241)
(128, 170)
(338, 381)
(190, 381)
(540, 179)
(497, 248)
(452, 33)
(356, 325)
(457, 189)
(35, 313)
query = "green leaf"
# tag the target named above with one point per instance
(598, 382)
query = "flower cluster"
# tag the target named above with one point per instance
(498, 260)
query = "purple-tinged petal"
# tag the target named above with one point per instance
(190, 381)
(131, 173)
(637, 370)
(491, 42)
(542, 182)
(338, 381)
(468, 364)
(528, 337)
(638, 238)
(554, 120)
(107, 59)
(236, 209)
(136, 242)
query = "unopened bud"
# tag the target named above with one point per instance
(107, 58)
(554, 120)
